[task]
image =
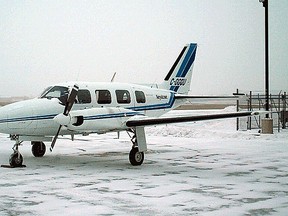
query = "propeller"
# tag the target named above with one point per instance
(68, 106)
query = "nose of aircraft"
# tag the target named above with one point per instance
(3, 118)
(23, 117)
(15, 116)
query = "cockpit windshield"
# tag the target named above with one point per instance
(55, 92)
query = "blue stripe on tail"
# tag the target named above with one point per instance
(186, 64)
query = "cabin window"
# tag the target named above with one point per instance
(84, 96)
(103, 96)
(140, 97)
(123, 96)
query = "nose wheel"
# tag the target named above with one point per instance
(16, 159)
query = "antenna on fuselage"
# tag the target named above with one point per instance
(112, 80)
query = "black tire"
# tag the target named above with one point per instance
(38, 149)
(136, 158)
(16, 160)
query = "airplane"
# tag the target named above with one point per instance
(96, 107)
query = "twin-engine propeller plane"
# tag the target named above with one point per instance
(86, 107)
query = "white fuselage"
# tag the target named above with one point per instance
(99, 108)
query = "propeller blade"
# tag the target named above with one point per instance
(55, 138)
(71, 99)
(68, 106)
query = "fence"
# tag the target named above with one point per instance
(278, 104)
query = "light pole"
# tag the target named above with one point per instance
(267, 124)
(265, 5)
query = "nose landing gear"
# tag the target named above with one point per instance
(16, 159)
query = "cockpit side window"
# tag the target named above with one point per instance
(56, 92)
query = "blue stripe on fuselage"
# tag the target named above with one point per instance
(28, 118)
(115, 115)
(167, 105)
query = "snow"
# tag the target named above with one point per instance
(203, 168)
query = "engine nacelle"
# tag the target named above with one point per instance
(99, 120)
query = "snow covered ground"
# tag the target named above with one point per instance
(203, 168)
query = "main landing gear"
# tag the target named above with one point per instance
(136, 157)
(38, 149)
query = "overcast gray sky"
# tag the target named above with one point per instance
(47, 42)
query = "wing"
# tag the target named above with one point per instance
(205, 99)
(169, 120)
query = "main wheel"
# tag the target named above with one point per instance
(136, 158)
(38, 149)
(16, 160)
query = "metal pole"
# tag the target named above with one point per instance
(237, 109)
(284, 111)
(265, 5)
(266, 57)
(250, 109)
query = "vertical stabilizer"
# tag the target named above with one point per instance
(178, 78)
